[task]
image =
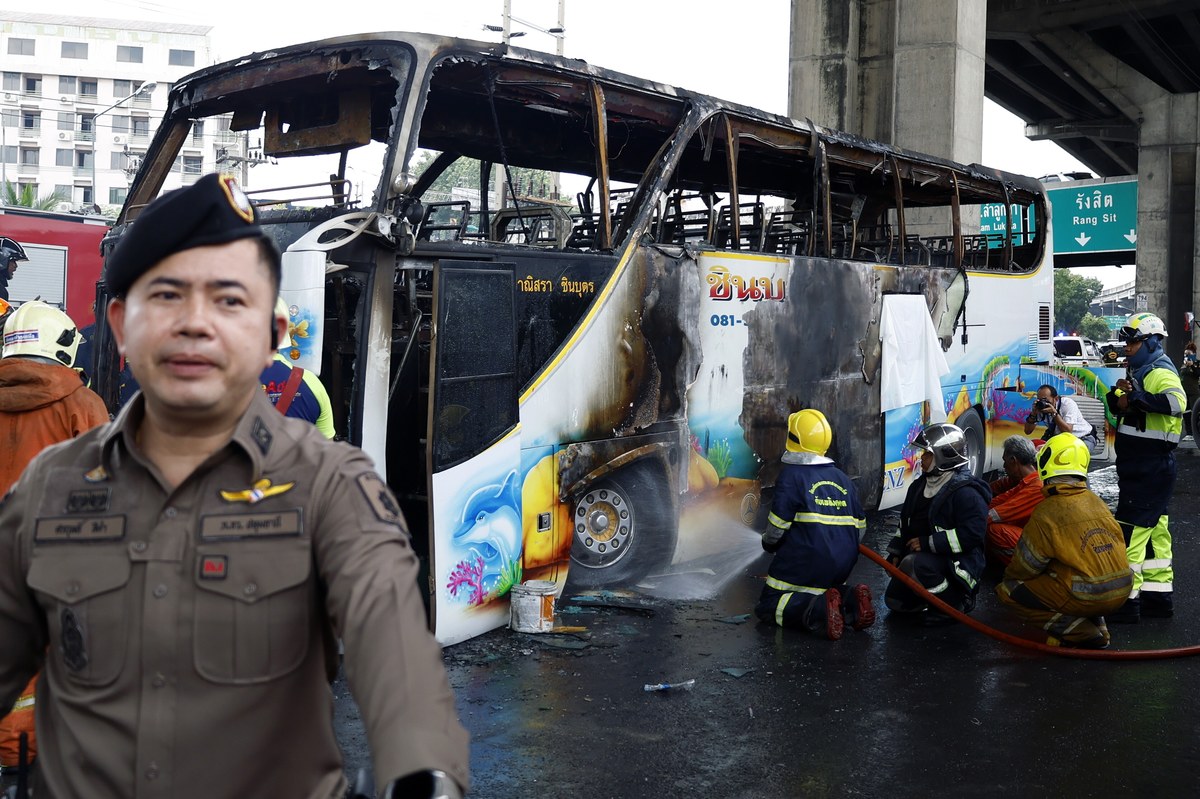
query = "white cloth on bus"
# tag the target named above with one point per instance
(913, 361)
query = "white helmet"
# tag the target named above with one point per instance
(1141, 326)
(42, 330)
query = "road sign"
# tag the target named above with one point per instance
(993, 221)
(1094, 217)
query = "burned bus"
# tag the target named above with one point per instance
(574, 386)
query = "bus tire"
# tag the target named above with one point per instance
(622, 527)
(972, 427)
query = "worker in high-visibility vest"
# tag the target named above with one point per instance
(1149, 406)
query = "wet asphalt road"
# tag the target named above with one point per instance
(893, 711)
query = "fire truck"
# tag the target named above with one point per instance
(64, 258)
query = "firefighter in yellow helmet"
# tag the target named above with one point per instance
(813, 529)
(1069, 567)
(1149, 406)
(42, 402)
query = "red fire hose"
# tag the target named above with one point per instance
(1024, 643)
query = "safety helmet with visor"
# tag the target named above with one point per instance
(946, 442)
(1141, 326)
(11, 251)
(1063, 454)
(43, 331)
(809, 431)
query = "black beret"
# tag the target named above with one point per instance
(213, 210)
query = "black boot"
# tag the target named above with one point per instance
(1158, 605)
(1129, 613)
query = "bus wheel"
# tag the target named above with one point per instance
(619, 528)
(972, 427)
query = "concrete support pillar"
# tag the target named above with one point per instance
(906, 72)
(1168, 251)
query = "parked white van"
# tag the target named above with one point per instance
(1077, 350)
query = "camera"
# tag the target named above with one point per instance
(1044, 405)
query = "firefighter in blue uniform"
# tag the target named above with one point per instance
(1149, 408)
(813, 529)
(943, 525)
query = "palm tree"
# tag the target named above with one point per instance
(23, 195)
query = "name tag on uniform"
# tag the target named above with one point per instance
(251, 525)
(65, 529)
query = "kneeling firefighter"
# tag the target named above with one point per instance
(813, 528)
(943, 525)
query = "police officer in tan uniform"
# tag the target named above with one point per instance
(181, 575)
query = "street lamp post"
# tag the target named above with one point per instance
(145, 87)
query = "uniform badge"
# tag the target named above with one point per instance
(93, 500)
(97, 475)
(259, 491)
(213, 567)
(261, 435)
(380, 498)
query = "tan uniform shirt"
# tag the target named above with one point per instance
(190, 631)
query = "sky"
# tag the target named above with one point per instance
(733, 50)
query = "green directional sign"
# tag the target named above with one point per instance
(993, 222)
(1093, 217)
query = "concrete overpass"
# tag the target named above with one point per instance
(1113, 82)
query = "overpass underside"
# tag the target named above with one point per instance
(1114, 82)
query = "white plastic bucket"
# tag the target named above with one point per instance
(532, 606)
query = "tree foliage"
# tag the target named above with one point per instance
(464, 174)
(23, 195)
(1072, 296)
(1095, 328)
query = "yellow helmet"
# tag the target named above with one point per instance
(1063, 454)
(809, 431)
(42, 330)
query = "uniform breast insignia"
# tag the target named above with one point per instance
(261, 435)
(380, 498)
(73, 647)
(97, 475)
(214, 567)
(240, 526)
(257, 492)
(89, 500)
(73, 529)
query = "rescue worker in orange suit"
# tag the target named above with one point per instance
(813, 529)
(1014, 497)
(42, 402)
(1069, 568)
(1149, 406)
(184, 573)
(943, 526)
(11, 253)
(294, 391)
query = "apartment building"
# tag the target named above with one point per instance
(73, 120)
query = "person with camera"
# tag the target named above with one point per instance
(1059, 414)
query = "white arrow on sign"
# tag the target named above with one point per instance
(1083, 239)
(1131, 237)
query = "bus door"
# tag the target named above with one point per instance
(473, 448)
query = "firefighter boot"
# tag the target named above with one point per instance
(857, 609)
(1158, 604)
(1129, 613)
(833, 614)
